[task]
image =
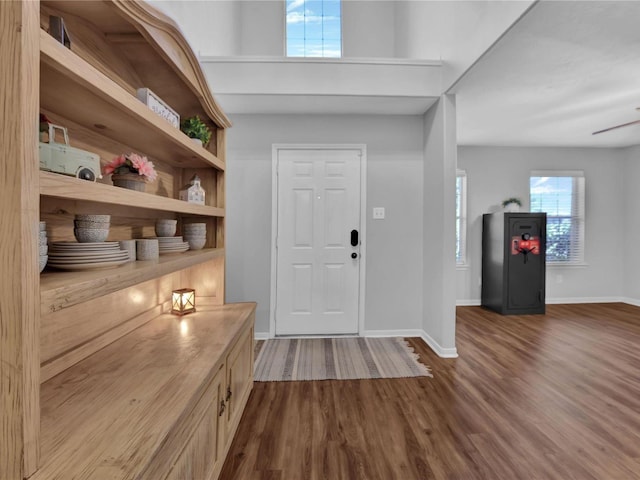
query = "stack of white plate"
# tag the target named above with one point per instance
(172, 245)
(42, 245)
(86, 256)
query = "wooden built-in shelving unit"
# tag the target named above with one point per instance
(60, 290)
(82, 94)
(61, 186)
(96, 380)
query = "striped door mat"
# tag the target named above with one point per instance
(289, 359)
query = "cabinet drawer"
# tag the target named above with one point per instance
(202, 456)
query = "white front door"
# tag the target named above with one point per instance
(318, 268)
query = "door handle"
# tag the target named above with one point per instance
(354, 238)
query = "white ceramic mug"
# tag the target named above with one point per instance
(130, 247)
(147, 249)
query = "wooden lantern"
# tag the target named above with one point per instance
(183, 301)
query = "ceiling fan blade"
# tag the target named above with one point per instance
(617, 126)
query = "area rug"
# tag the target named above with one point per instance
(291, 359)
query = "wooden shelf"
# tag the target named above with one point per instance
(61, 289)
(110, 415)
(63, 186)
(73, 88)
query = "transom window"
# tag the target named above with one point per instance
(561, 196)
(314, 28)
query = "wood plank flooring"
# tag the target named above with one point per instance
(553, 396)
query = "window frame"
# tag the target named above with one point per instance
(286, 36)
(577, 216)
(461, 219)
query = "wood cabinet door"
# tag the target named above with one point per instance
(239, 378)
(202, 456)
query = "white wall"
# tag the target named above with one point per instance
(467, 29)
(496, 173)
(368, 29)
(262, 27)
(212, 28)
(394, 181)
(456, 32)
(631, 220)
(439, 317)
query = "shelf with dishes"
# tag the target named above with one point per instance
(106, 108)
(62, 289)
(62, 186)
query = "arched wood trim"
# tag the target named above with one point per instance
(165, 35)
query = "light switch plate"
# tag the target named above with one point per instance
(378, 213)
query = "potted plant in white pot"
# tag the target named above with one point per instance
(512, 204)
(197, 130)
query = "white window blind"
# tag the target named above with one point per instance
(461, 217)
(561, 195)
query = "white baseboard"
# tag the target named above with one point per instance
(631, 301)
(553, 301)
(261, 335)
(393, 333)
(558, 300)
(437, 348)
(433, 345)
(468, 303)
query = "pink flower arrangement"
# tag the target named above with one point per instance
(131, 163)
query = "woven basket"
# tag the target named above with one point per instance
(132, 181)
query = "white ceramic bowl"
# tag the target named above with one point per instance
(91, 235)
(194, 226)
(43, 261)
(44, 249)
(197, 233)
(165, 230)
(168, 221)
(196, 243)
(43, 226)
(88, 224)
(94, 218)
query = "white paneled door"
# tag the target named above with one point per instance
(318, 241)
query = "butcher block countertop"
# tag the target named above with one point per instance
(107, 416)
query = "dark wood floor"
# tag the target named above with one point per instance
(553, 396)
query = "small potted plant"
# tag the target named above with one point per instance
(512, 204)
(195, 128)
(130, 171)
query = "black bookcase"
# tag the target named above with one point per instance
(513, 262)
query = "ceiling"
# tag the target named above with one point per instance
(565, 70)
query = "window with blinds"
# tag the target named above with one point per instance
(461, 217)
(561, 196)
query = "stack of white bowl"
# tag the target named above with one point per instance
(91, 228)
(42, 245)
(195, 234)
